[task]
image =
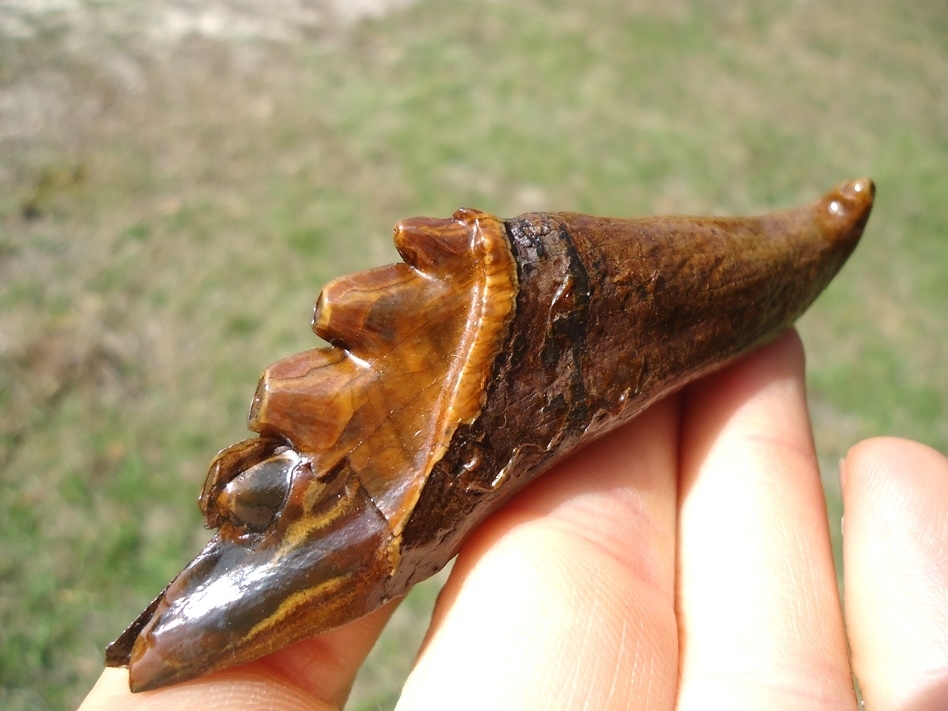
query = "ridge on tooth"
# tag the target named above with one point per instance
(295, 399)
(435, 245)
(361, 312)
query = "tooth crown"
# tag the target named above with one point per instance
(412, 345)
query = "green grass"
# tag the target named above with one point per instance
(165, 233)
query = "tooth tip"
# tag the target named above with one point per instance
(147, 671)
(157, 662)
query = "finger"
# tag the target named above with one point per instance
(760, 619)
(564, 598)
(315, 674)
(895, 555)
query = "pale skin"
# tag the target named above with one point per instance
(682, 562)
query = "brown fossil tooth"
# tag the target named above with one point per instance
(453, 379)
(611, 316)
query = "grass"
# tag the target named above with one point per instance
(172, 206)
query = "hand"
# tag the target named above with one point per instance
(682, 560)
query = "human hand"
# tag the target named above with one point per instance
(682, 561)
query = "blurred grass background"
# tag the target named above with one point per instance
(178, 179)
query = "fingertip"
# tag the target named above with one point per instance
(787, 350)
(891, 476)
(780, 364)
(893, 455)
(895, 556)
(110, 692)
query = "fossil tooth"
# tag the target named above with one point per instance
(452, 380)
